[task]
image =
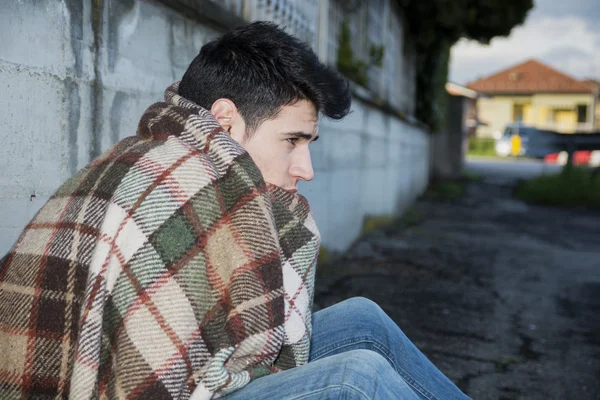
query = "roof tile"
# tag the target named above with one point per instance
(529, 77)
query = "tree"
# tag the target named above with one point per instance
(435, 25)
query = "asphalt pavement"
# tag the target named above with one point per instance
(502, 296)
(507, 170)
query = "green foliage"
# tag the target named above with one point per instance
(411, 217)
(482, 147)
(323, 257)
(445, 191)
(435, 25)
(469, 176)
(573, 187)
(351, 67)
(376, 55)
(373, 222)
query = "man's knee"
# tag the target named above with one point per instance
(367, 362)
(364, 307)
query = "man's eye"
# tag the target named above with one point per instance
(292, 141)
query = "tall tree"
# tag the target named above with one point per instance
(435, 25)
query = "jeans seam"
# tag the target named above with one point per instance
(355, 389)
(338, 386)
(387, 354)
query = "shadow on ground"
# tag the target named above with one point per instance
(502, 296)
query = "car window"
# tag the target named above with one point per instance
(524, 132)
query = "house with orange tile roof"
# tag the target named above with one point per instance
(537, 95)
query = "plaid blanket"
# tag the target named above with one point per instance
(166, 268)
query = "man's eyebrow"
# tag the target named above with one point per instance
(302, 135)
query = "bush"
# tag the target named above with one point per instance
(445, 191)
(482, 147)
(572, 187)
(374, 222)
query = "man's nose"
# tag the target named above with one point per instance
(302, 167)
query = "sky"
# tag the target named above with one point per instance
(559, 33)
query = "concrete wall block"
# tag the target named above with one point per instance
(82, 103)
(394, 155)
(374, 190)
(355, 121)
(344, 212)
(121, 113)
(34, 153)
(334, 125)
(403, 196)
(318, 194)
(375, 152)
(320, 150)
(392, 194)
(135, 51)
(346, 150)
(15, 214)
(376, 123)
(396, 128)
(147, 46)
(8, 237)
(27, 25)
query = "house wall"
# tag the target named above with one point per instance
(496, 113)
(547, 111)
(77, 75)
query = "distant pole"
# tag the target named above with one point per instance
(323, 33)
(570, 150)
(596, 93)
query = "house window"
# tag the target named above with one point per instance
(582, 113)
(518, 113)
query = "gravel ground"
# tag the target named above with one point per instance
(502, 296)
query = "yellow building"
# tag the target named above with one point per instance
(536, 95)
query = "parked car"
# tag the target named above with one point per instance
(502, 145)
(522, 140)
(581, 157)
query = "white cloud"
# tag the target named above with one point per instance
(569, 44)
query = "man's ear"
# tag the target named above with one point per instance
(223, 110)
(226, 113)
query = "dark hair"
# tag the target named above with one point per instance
(261, 68)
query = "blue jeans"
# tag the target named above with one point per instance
(357, 352)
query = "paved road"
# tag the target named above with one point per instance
(506, 170)
(502, 296)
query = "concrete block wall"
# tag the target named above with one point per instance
(370, 163)
(76, 76)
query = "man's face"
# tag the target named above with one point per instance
(280, 146)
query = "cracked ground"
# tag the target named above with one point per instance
(502, 296)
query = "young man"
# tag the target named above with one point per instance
(181, 262)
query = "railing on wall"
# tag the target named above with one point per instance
(234, 6)
(298, 17)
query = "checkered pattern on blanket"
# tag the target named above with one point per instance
(165, 266)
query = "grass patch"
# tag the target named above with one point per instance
(323, 257)
(572, 187)
(446, 190)
(471, 177)
(411, 217)
(392, 224)
(374, 222)
(482, 147)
